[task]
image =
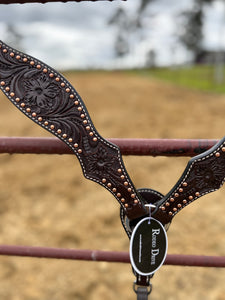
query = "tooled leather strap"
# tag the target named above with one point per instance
(48, 99)
(205, 173)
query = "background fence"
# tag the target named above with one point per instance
(154, 147)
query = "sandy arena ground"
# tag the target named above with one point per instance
(45, 200)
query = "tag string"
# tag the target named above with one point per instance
(150, 214)
(150, 205)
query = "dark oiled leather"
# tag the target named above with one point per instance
(48, 99)
(205, 173)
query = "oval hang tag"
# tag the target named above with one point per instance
(148, 246)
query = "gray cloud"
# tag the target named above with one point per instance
(77, 35)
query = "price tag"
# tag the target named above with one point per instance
(148, 246)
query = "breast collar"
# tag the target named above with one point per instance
(48, 99)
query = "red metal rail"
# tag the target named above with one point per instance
(45, 1)
(153, 147)
(108, 256)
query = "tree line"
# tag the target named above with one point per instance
(190, 34)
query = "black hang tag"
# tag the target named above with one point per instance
(148, 246)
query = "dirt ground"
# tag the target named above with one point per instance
(45, 200)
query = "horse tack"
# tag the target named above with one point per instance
(49, 100)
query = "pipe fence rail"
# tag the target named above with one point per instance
(45, 1)
(152, 147)
(108, 256)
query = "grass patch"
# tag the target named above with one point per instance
(194, 77)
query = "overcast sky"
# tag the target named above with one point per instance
(77, 35)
